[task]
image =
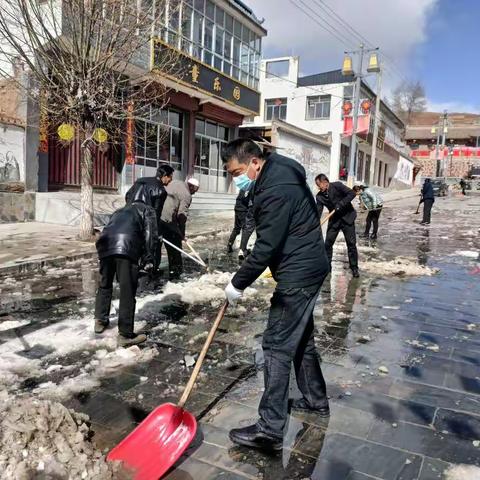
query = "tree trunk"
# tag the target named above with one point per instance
(86, 192)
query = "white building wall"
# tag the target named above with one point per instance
(271, 88)
(315, 158)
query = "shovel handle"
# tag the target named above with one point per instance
(195, 253)
(327, 217)
(201, 357)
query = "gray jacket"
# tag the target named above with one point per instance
(371, 199)
(175, 209)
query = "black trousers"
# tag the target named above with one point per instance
(175, 261)
(127, 274)
(427, 210)
(247, 229)
(240, 216)
(350, 239)
(372, 217)
(289, 338)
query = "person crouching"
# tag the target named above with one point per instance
(130, 237)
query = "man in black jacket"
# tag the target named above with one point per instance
(290, 243)
(151, 191)
(338, 197)
(130, 235)
(428, 199)
(244, 222)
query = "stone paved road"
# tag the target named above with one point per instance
(414, 421)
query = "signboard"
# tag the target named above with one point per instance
(206, 79)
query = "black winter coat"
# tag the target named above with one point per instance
(289, 240)
(131, 232)
(150, 191)
(427, 191)
(339, 198)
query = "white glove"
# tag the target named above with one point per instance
(233, 294)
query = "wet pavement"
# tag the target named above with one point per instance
(401, 355)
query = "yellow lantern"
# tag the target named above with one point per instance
(66, 132)
(100, 135)
(373, 64)
(347, 67)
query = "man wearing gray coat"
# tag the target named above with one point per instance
(174, 220)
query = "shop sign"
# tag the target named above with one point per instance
(207, 79)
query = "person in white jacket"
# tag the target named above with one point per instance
(373, 203)
(174, 220)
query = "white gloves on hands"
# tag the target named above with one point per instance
(233, 294)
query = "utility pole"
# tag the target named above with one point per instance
(371, 177)
(356, 106)
(440, 134)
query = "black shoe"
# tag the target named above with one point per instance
(229, 248)
(355, 272)
(252, 436)
(301, 405)
(101, 326)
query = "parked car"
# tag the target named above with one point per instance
(440, 187)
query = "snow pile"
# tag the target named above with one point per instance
(209, 288)
(11, 324)
(462, 472)
(400, 266)
(466, 253)
(103, 364)
(41, 438)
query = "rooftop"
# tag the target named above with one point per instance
(460, 125)
(246, 10)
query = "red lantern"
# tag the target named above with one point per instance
(347, 108)
(366, 105)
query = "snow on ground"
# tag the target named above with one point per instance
(466, 253)
(74, 334)
(399, 266)
(463, 472)
(208, 288)
(42, 439)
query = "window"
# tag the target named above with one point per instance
(204, 30)
(318, 107)
(277, 69)
(276, 108)
(210, 138)
(159, 138)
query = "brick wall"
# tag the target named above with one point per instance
(456, 167)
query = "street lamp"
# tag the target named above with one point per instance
(347, 69)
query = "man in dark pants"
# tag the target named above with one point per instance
(131, 234)
(428, 199)
(244, 222)
(151, 191)
(174, 221)
(290, 243)
(338, 197)
(373, 202)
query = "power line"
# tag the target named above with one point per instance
(356, 35)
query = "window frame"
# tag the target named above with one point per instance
(274, 108)
(322, 101)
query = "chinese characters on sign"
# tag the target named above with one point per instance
(236, 93)
(216, 85)
(195, 73)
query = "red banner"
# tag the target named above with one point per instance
(363, 125)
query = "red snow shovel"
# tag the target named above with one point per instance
(159, 441)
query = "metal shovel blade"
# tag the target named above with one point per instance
(157, 443)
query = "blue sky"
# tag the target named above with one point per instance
(434, 41)
(447, 61)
